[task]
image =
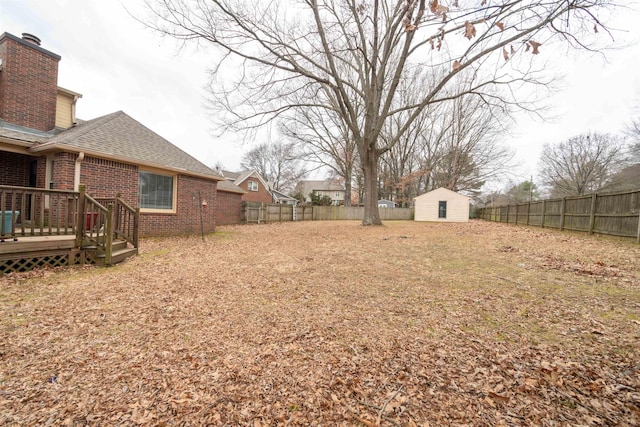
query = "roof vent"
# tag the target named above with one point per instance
(31, 38)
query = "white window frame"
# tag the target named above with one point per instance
(251, 186)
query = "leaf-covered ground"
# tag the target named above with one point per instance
(330, 323)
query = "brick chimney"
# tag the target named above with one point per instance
(28, 82)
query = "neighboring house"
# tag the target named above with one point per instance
(228, 203)
(328, 187)
(281, 198)
(384, 203)
(42, 145)
(442, 205)
(257, 189)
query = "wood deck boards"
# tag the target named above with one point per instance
(10, 248)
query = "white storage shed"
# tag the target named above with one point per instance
(442, 205)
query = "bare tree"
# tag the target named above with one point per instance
(279, 163)
(582, 164)
(633, 130)
(326, 140)
(283, 53)
(470, 153)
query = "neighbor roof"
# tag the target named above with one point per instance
(229, 187)
(307, 186)
(244, 175)
(120, 137)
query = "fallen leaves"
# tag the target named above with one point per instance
(330, 323)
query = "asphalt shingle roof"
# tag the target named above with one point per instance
(229, 187)
(117, 135)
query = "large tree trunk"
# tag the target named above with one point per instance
(347, 191)
(370, 168)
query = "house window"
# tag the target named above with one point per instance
(156, 191)
(442, 209)
(252, 185)
(338, 194)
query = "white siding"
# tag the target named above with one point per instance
(427, 204)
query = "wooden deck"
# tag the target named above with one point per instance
(36, 243)
(58, 228)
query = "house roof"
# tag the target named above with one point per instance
(281, 196)
(307, 186)
(229, 187)
(244, 175)
(120, 137)
(20, 134)
(231, 176)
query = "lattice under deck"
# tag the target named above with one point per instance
(51, 260)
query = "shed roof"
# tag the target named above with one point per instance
(438, 192)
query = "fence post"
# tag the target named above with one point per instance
(517, 209)
(592, 213)
(528, 211)
(543, 212)
(638, 234)
(508, 209)
(562, 206)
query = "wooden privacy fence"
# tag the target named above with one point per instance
(616, 214)
(259, 213)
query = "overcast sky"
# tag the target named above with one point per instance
(118, 65)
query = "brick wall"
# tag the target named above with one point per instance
(104, 178)
(28, 84)
(14, 169)
(63, 171)
(186, 220)
(228, 208)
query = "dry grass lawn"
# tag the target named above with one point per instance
(330, 323)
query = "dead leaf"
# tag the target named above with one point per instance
(441, 10)
(500, 25)
(469, 30)
(534, 46)
(433, 6)
(595, 28)
(410, 28)
(498, 397)
(505, 54)
(456, 65)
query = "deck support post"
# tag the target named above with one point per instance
(80, 222)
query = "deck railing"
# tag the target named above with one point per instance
(27, 211)
(126, 219)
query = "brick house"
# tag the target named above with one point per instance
(257, 189)
(43, 145)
